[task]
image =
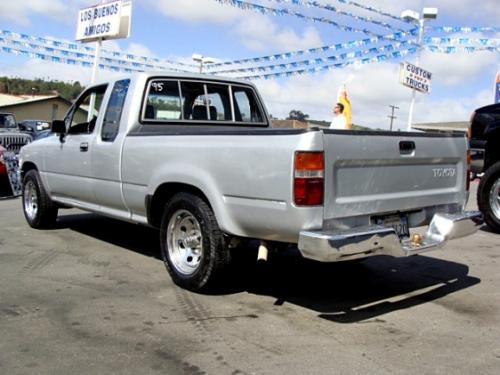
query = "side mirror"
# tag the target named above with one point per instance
(58, 126)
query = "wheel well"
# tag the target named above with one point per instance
(27, 166)
(163, 194)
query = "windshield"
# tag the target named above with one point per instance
(7, 121)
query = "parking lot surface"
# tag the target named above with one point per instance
(93, 297)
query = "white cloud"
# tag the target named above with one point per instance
(19, 11)
(257, 32)
(196, 10)
(132, 48)
(260, 34)
(452, 69)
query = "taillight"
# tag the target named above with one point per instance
(3, 169)
(308, 181)
(469, 129)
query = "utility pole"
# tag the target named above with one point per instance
(392, 117)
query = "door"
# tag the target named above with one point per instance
(106, 152)
(68, 164)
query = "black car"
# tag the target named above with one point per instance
(485, 152)
(37, 128)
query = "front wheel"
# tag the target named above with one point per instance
(39, 210)
(488, 197)
(192, 245)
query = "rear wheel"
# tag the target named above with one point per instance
(39, 210)
(192, 245)
(488, 197)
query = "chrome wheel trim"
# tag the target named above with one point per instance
(495, 198)
(184, 242)
(30, 200)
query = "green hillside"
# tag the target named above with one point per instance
(19, 86)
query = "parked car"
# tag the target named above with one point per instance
(485, 154)
(37, 128)
(11, 140)
(195, 156)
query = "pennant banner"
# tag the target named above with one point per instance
(35, 48)
(85, 49)
(465, 30)
(462, 41)
(315, 4)
(288, 12)
(371, 9)
(323, 68)
(334, 47)
(321, 60)
(455, 49)
(63, 60)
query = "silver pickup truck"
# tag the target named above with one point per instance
(196, 157)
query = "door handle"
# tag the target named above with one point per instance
(84, 147)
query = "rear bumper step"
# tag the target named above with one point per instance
(354, 243)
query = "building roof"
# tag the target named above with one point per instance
(453, 126)
(7, 100)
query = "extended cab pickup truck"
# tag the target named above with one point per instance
(196, 157)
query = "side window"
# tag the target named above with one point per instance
(246, 108)
(163, 102)
(204, 102)
(83, 116)
(194, 102)
(111, 123)
(219, 106)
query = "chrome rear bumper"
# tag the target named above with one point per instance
(332, 246)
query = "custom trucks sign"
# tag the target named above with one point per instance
(414, 77)
(104, 21)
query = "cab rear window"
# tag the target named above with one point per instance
(198, 102)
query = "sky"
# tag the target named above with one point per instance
(177, 29)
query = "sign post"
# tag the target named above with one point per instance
(110, 20)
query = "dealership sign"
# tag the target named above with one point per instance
(414, 77)
(104, 21)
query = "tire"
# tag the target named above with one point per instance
(39, 210)
(488, 197)
(192, 245)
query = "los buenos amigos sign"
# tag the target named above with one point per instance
(104, 21)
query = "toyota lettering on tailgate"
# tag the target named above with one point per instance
(444, 172)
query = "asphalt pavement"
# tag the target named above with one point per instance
(92, 297)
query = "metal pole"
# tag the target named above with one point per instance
(417, 62)
(97, 56)
(90, 113)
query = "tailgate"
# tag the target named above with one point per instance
(382, 172)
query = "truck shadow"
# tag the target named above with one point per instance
(138, 238)
(346, 292)
(351, 292)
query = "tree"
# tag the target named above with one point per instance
(297, 115)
